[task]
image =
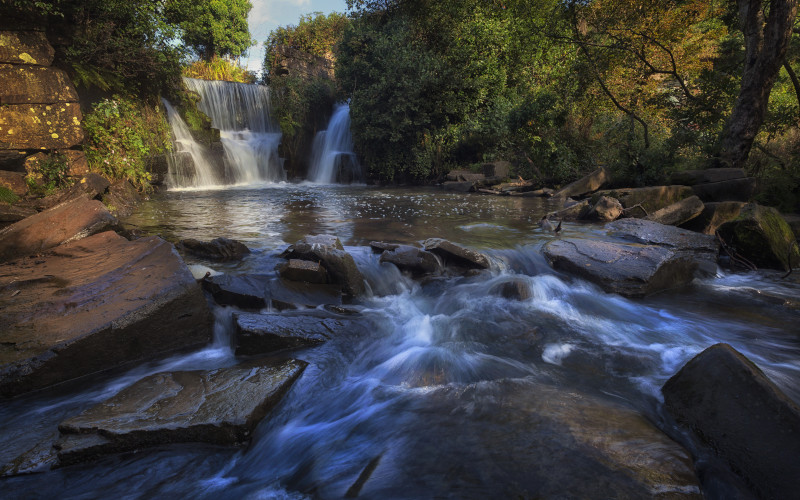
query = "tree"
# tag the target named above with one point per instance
(767, 32)
(212, 27)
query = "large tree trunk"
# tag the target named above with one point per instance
(766, 43)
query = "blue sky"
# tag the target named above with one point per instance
(267, 15)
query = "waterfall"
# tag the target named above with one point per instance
(332, 157)
(195, 171)
(242, 114)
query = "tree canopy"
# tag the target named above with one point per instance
(212, 27)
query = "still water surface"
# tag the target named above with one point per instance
(433, 395)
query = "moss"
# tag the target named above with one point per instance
(763, 236)
(7, 196)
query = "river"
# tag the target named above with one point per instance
(435, 396)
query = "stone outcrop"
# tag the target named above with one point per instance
(703, 248)
(605, 209)
(411, 259)
(640, 202)
(586, 185)
(265, 333)
(121, 198)
(25, 47)
(304, 270)
(92, 305)
(257, 291)
(456, 255)
(737, 411)
(679, 212)
(25, 84)
(14, 182)
(220, 407)
(339, 264)
(298, 63)
(714, 215)
(219, 249)
(37, 126)
(718, 184)
(761, 235)
(67, 222)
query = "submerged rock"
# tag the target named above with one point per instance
(304, 270)
(736, 410)
(328, 250)
(679, 212)
(92, 305)
(265, 333)
(219, 407)
(453, 254)
(762, 236)
(221, 249)
(411, 259)
(586, 185)
(67, 222)
(515, 289)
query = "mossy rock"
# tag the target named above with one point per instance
(761, 235)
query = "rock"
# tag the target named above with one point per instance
(586, 185)
(794, 222)
(220, 249)
(77, 164)
(692, 177)
(605, 209)
(627, 269)
(304, 270)
(702, 248)
(515, 187)
(41, 457)
(542, 192)
(762, 236)
(380, 246)
(679, 212)
(453, 254)
(121, 199)
(12, 213)
(411, 259)
(220, 407)
(40, 126)
(515, 289)
(67, 222)
(242, 291)
(158, 167)
(498, 168)
(650, 198)
(328, 250)
(265, 333)
(736, 410)
(461, 187)
(714, 214)
(14, 182)
(464, 176)
(24, 84)
(25, 47)
(733, 190)
(572, 212)
(285, 294)
(92, 305)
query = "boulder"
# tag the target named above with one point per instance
(303, 270)
(247, 291)
(40, 126)
(737, 411)
(514, 289)
(220, 407)
(92, 305)
(692, 177)
(650, 199)
(158, 167)
(265, 333)
(586, 185)
(381, 246)
(25, 84)
(77, 164)
(452, 254)
(328, 250)
(411, 259)
(67, 222)
(794, 222)
(498, 168)
(714, 214)
(678, 213)
(605, 209)
(572, 212)
(701, 247)
(219, 249)
(460, 187)
(631, 270)
(10, 214)
(121, 198)
(284, 294)
(25, 47)
(14, 182)
(732, 190)
(762, 236)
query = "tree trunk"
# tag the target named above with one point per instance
(766, 44)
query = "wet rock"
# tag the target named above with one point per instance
(461, 187)
(794, 222)
(304, 270)
(679, 212)
(701, 247)
(220, 249)
(121, 198)
(627, 269)
(92, 305)
(515, 289)
(605, 209)
(640, 202)
(26, 84)
(586, 185)
(518, 439)
(732, 190)
(37, 126)
(14, 182)
(64, 223)
(736, 410)
(714, 215)
(39, 458)
(328, 250)
(25, 47)
(500, 168)
(762, 236)
(265, 333)
(247, 291)
(10, 214)
(219, 407)
(572, 212)
(692, 177)
(380, 246)
(158, 167)
(453, 254)
(284, 294)
(411, 259)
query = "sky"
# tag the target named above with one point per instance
(267, 15)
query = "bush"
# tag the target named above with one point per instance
(7, 196)
(48, 175)
(120, 134)
(219, 69)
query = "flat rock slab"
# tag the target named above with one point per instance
(646, 232)
(304, 271)
(585, 185)
(93, 305)
(38, 126)
(25, 47)
(219, 407)
(264, 333)
(61, 224)
(457, 255)
(736, 410)
(679, 212)
(221, 249)
(23, 84)
(248, 291)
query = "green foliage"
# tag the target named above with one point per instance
(120, 134)
(33, 7)
(218, 69)
(48, 175)
(7, 196)
(212, 27)
(315, 34)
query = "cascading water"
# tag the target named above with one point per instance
(249, 137)
(332, 157)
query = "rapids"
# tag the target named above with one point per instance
(421, 390)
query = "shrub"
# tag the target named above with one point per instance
(7, 196)
(219, 69)
(48, 175)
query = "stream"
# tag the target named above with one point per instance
(435, 396)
